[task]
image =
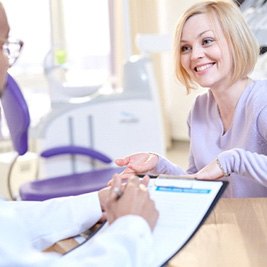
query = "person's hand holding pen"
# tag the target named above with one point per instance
(131, 198)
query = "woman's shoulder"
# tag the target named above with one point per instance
(204, 98)
(203, 102)
(257, 96)
(259, 89)
(260, 84)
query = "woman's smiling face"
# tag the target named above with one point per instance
(205, 54)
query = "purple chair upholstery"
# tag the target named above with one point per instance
(70, 185)
(18, 121)
(17, 115)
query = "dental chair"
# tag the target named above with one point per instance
(18, 121)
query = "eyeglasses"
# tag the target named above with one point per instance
(12, 49)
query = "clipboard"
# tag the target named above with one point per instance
(183, 204)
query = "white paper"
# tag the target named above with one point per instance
(182, 204)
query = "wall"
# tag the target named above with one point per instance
(146, 16)
(149, 16)
(144, 19)
(179, 103)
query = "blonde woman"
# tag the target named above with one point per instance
(214, 48)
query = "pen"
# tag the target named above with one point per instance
(117, 192)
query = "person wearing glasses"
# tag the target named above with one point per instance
(227, 124)
(12, 49)
(27, 228)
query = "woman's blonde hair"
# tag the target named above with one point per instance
(242, 43)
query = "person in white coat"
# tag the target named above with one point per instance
(27, 228)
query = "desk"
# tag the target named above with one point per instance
(234, 234)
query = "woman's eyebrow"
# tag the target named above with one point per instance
(199, 35)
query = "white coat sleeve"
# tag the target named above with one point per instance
(125, 243)
(52, 220)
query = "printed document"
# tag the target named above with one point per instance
(182, 205)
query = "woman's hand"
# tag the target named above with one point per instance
(131, 198)
(139, 163)
(211, 171)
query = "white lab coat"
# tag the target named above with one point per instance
(27, 228)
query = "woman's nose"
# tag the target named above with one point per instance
(197, 52)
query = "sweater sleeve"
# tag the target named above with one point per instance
(165, 166)
(247, 163)
(262, 123)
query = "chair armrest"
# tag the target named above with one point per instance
(76, 150)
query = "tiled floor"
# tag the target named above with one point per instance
(178, 153)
